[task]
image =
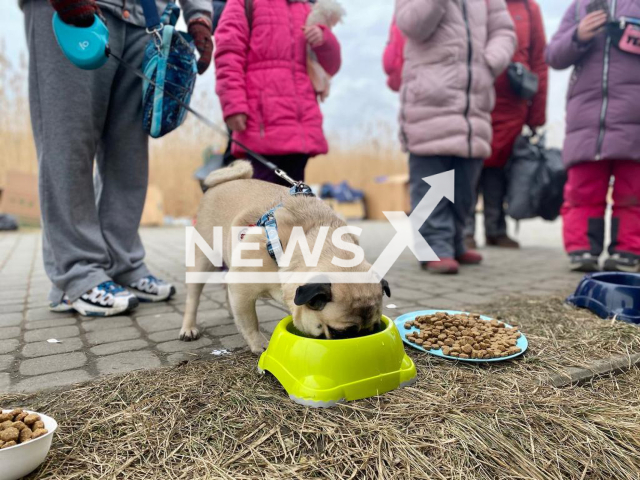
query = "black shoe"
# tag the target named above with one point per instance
(502, 241)
(584, 262)
(623, 262)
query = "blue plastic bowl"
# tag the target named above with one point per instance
(610, 295)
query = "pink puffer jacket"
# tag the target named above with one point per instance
(455, 49)
(261, 71)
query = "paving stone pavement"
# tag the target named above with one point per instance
(147, 338)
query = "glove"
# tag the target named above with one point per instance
(200, 30)
(76, 12)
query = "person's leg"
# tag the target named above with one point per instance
(583, 212)
(625, 221)
(439, 229)
(467, 174)
(123, 163)
(494, 186)
(293, 165)
(493, 189)
(68, 108)
(470, 224)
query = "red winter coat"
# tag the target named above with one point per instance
(262, 72)
(393, 57)
(511, 112)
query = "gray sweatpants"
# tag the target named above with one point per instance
(444, 229)
(78, 116)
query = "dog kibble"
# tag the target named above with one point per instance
(464, 335)
(31, 419)
(39, 433)
(9, 434)
(25, 434)
(20, 427)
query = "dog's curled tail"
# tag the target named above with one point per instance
(238, 170)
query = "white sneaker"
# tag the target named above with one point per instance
(105, 300)
(62, 306)
(152, 289)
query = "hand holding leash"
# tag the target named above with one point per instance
(237, 122)
(76, 12)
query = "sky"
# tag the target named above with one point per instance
(359, 97)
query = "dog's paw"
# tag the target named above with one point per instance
(189, 334)
(259, 345)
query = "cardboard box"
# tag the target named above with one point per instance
(20, 197)
(349, 210)
(153, 213)
(387, 194)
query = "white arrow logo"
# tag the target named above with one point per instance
(408, 227)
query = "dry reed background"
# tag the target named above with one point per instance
(221, 419)
(175, 157)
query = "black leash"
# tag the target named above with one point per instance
(299, 186)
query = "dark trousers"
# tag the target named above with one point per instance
(293, 165)
(493, 187)
(444, 229)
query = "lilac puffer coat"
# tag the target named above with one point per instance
(455, 49)
(603, 102)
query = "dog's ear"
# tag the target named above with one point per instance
(313, 295)
(385, 287)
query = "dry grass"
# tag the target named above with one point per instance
(360, 164)
(221, 419)
(16, 142)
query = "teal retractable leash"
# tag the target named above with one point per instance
(88, 48)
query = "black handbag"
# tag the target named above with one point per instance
(522, 80)
(536, 178)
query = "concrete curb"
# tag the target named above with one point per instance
(581, 375)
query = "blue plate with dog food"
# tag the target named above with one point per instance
(610, 295)
(522, 342)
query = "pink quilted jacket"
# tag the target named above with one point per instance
(455, 49)
(261, 70)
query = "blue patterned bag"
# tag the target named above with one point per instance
(169, 61)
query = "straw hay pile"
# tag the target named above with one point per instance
(220, 419)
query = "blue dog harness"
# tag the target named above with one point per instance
(268, 221)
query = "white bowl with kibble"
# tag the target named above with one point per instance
(23, 458)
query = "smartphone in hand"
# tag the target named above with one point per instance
(596, 5)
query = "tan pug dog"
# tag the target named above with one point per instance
(318, 309)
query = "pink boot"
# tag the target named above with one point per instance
(470, 257)
(444, 266)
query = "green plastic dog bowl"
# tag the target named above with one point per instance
(320, 373)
